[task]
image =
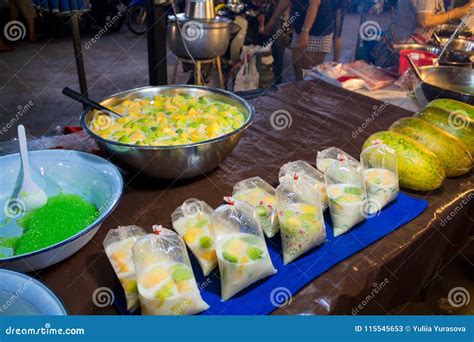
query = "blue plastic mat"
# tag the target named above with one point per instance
(257, 299)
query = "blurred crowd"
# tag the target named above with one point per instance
(310, 28)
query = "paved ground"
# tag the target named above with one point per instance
(117, 61)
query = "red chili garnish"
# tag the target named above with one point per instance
(229, 200)
(341, 157)
(270, 206)
(376, 142)
(296, 176)
(261, 202)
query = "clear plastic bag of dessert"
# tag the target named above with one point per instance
(192, 222)
(242, 253)
(301, 217)
(261, 196)
(300, 167)
(165, 279)
(347, 196)
(381, 176)
(329, 155)
(118, 246)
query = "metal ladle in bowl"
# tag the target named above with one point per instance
(88, 102)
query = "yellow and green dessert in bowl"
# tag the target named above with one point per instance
(164, 120)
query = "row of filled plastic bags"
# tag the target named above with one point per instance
(154, 269)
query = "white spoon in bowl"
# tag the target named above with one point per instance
(30, 194)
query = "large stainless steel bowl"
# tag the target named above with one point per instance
(448, 82)
(179, 161)
(204, 39)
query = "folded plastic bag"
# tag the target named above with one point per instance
(192, 221)
(242, 253)
(381, 176)
(301, 217)
(118, 246)
(261, 196)
(316, 177)
(374, 77)
(330, 155)
(165, 279)
(347, 196)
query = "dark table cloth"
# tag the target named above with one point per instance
(375, 280)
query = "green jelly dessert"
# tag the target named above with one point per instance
(60, 218)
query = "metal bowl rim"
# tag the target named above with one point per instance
(446, 89)
(180, 17)
(245, 125)
(44, 286)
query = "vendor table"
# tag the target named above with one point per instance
(291, 124)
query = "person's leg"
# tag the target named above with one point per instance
(278, 50)
(338, 45)
(28, 11)
(14, 11)
(311, 59)
(298, 60)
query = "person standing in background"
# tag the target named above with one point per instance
(266, 8)
(339, 9)
(313, 31)
(414, 22)
(26, 8)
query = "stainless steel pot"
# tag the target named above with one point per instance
(200, 9)
(172, 162)
(204, 39)
(448, 82)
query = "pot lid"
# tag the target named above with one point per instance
(217, 21)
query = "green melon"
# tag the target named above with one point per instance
(451, 152)
(453, 105)
(418, 167)
(460, 126)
